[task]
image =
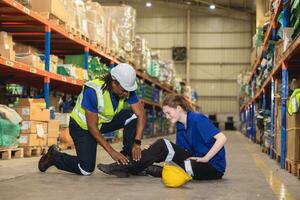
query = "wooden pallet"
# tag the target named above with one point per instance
(276, 156)
(97, 45)
(291, 166)
(52, 18)
(34, 151)
(110, 52)
(298, 171)
(265, 150)
(9, 153)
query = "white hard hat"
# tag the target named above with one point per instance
(125, 75)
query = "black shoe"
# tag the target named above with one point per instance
(120, 171)
(47, 160)
(154, 170)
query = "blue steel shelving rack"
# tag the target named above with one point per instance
(289, 62)
(37, 31)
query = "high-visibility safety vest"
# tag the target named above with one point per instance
(105, 108)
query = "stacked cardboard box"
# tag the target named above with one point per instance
(6, 46)
(34, 125)
(54, 7)
(293, 137)
(53, 132)
(28, 55)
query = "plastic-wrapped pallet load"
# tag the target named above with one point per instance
(81, 20)
(8, 133)
(125, 18)
(70, 13)
(96, 23)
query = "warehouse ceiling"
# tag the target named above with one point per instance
(239, 9)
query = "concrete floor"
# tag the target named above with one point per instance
(250, 175)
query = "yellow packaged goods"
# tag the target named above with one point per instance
(25, 102)
(55, 7)
(33, 127)
(53, 128)
(34, 113)
(52, 140)
(32, 140)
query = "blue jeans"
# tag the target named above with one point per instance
(86, 145)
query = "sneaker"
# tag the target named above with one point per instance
(114, 169)
(47, 160)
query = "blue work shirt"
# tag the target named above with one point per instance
(89, 100)
(198, 139)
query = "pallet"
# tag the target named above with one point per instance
(11, 152)
(97, 45)
(276, 157)
(110, 52)
(49, 16)
(298, 171)
(265, 150)
(34, 151)
(291, 166)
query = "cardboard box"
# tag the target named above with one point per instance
(8, 53)
(52, 140)
(55, 7)
(33, 127)
(63, 118)
(293, 121)
(65, 136)
(53, 128)
(27, 102)
(6, 38)
(31, 60)
(24, 49)
(32, 140)
(34, 113)
(293, 144)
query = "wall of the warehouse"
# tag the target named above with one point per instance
(220, 49)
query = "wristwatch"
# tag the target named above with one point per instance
(138, 142)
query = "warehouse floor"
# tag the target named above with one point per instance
(250, 175)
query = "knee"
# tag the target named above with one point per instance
(160, 143)
(86, 170)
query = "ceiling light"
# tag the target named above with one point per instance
(148, 4)
(212, 6)
(188, 2)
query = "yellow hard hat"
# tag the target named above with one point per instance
(173, 176)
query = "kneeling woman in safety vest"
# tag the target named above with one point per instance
(199, 148)
(99, 109)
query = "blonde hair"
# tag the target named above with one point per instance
(174, 100)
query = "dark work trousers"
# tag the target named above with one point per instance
(86, 145)
(160, 152)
